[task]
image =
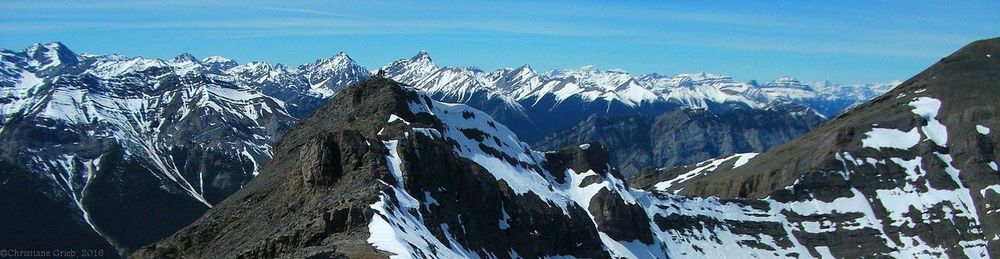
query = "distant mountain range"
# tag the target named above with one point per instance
(536, 104)
(89, 141)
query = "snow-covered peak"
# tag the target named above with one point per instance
(339, 62)
(117, 65)
(253, 66)
(219, 63)
(185, 63)
(421, 56)
(47, 55)
(514, 79)
(328, 76)
(216, 59)
(408, 71)
(39, 48)
(261, 72)
(185, 57)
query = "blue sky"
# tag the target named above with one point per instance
(845, 42)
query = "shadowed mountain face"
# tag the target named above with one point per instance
(388, 171)
(686, 136)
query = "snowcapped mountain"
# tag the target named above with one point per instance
(386, 171)
(538, 104)
(305, 88)
(912, 173)
(560, 107)
(103, 137)
(329, 76)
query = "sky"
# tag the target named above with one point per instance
(840, 41)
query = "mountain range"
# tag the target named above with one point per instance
(384, 170)
(561, 107)
(89, 141)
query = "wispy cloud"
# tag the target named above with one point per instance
(315, 12)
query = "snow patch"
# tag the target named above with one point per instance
(702, 168)
(927, 108)
(879, 138)
(982, 129)
(393, 117)
(504, 223)
(744, 158)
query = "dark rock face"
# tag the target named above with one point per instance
(685, 136)
(312, 200)
(619, 219)
(321, 158)
(30, 230)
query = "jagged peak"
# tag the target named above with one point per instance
(339, 62)
(51, 54)
(185, 57)
(422, 56)
(55, 45)
(341, 57)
